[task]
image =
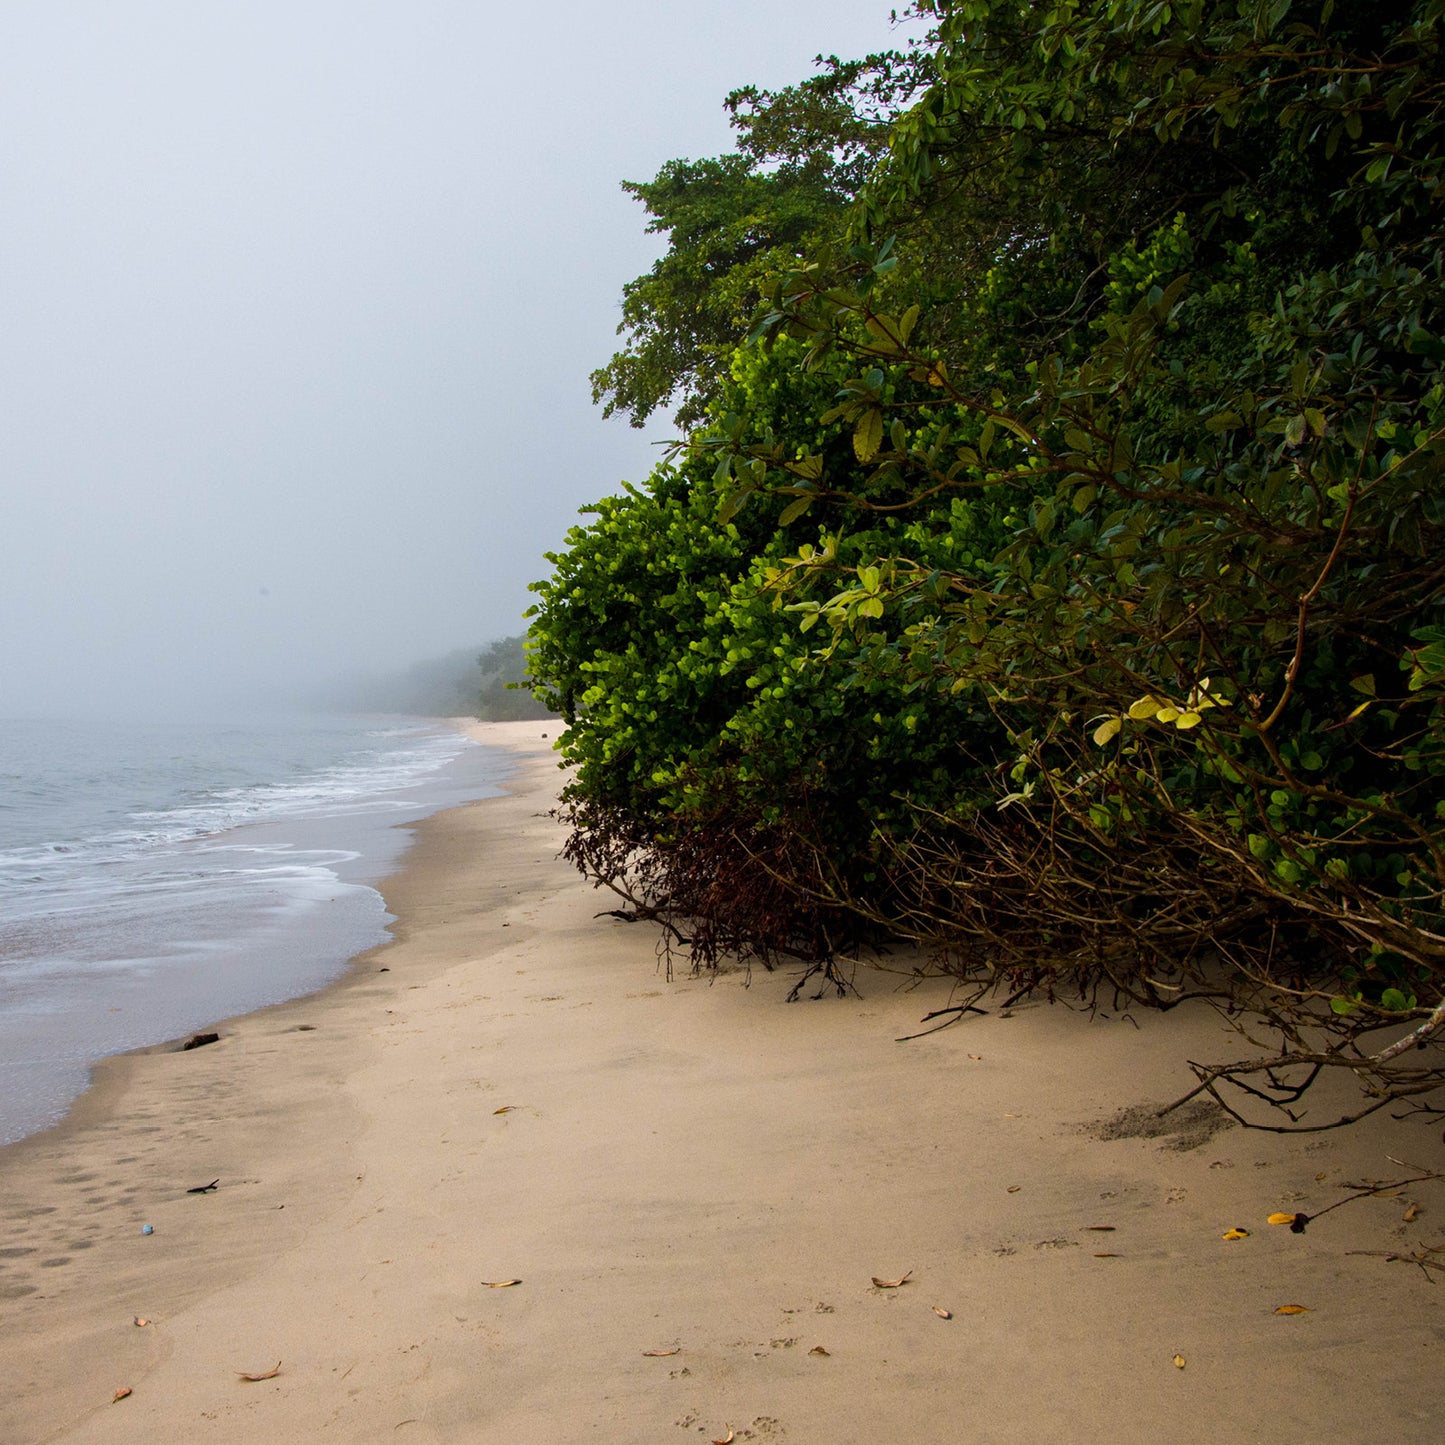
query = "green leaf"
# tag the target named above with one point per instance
(733, 503)
(868, 435)
(794, 510)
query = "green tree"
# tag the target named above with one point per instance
(1083, 508)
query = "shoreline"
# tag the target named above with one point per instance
(695, 1183)
(240, 897)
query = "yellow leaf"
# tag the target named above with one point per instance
(1179, 1362)
(1166, 714)
(1145, 707)
(1236, 1234)
(726, 1439)
(1281, 1219)
(500, 1283)
(1412, 1214)
(892, 1283)
(1186, 720)
(1293, 1310)
(1108, 730)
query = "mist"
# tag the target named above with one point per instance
(300, 305)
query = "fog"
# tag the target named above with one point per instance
(299, 305)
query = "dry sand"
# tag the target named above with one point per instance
(695, 1183)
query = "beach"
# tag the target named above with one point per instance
(505, 1182)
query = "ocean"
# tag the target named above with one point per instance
(156, 877)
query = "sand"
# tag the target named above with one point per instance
(696, 1184)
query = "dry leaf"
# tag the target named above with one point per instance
(505, 1109)
(819, 1350)
(1321, 1177)
(1281, 1219)
(264, 1375)
(142, 1321)
(1014, 1188)
(1179, 1362)
(1236, 1234)
(1412, 1214)
(892, 1283)
(658, 1354)
(1293, 1310)
(120, 1394)
(977, 1058)
(1108, 1256)
(1100, 1228)
(726, 1439)
(500, 1283)
(1013, 1116)
(942, 1313)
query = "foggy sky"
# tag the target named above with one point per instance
(298, 303)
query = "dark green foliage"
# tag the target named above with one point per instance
(1058, 574)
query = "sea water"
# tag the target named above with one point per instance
(156, 877)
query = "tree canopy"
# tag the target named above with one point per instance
(1052, 572)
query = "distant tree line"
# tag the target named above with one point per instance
(490, 685)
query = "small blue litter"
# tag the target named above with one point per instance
(147, 1229)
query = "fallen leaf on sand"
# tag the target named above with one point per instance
(264, 1375)
(1235, 1234)
(1100, 1228)
(1281, 1219)
(1179, 1362)
(1013, 1116)
(142, 1321)
(942, 1313)
(1014, 1188)
(120, 1394)
(1293, 1310)
(977, 1058)
(726, 1439)
(500, 1283)
(505, 1109)
(1108, 1256)
(819, 1350)
(660, 1353)
(1412, 1214)
(892, 1283)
